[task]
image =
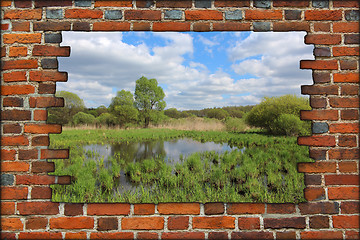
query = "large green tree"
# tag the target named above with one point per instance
(122, 107)
(64, 115)
(149, 98)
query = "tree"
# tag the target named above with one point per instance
(83, 118)
(217, 113)
(106, 118)
(148, 98)
(64, 115)
(267, 113)
(122, 107)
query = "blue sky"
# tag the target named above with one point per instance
(196, 70)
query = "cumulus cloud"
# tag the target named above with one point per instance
(103, 63)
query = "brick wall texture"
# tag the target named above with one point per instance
(30, 44)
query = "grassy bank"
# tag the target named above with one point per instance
(264, 172)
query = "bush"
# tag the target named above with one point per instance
(83, 118)
(217, 113)
(106, 118)
(290, 125)
(235, 124)
(266, 114)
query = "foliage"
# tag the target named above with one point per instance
(290, 125)
(266, 114)
(173, 113)
(63, 115)
(83, 118)
(122, 107)
(235, 124)
(148, 97)
(106, 119)
(265, 171)
(217, 113)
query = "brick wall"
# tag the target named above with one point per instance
(31, 34)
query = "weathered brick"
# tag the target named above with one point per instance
(324, 39)
(346, 77)
(145, 3)
(320, 3)
(341, 154)
(19, 64)
(346, 222)
(319, 115)
(321, 27)
(121, 3)
(352, 39)
(83, 13)
(320, 127)
(42, 166)
(35, 180)
(349, 114)
(286, 235)
(352, 15)
(8, 154)
(54, 13)
(345, 51)
(174, 4)
(293, 14)
(7, 180)
(343, 193)
(318, 141)
(283, 208)
(319, 208)
(323, 15)
(54, 153)
(36, 223)
(143, 15)
(141, 26)
(248, 223)
(103, 209)
(179, 208)
(293, 3)
(52, 26)
(41, 102)
(28, 154)
(317, 154)
(252, 235)
(319, 222)
(263, 14)
(14, 193)
(12, 128)
(14, 141)
(201, 27)
(81, 26)
(147, 235)
(15, 166)
(231, 3)
(40, 50)
(182, 235)
(113, 14)
(106, 224)
(73, 209)
(290, 26)
(317, 167)
(322, 52)
(7, 208)
(72, 223)
(349, 102)
(144, 209)
(344, 128)
(231, 26)
(214, 208)
(346, 27)
(41, 193)
(23, 14)
(276, 223)
(18, 51)
(171, 26)
(112, 235)
(178, 223)
(245, 208)
(342, 179)
(173, 14)
(347, 141)
(53, 38)
(203, 15)
(350, 207)
(13, 102)
(318, 102)
(52, 3)
(142, 223)
(319, 64)
(111, 26)
(312, 179)
(314, 193)
(223, 222)
(234, 15)
(319, 90)
(38, 208)
(20, 26)
(40, 115)
(321, 77)
(218, 235)
(261, 26)
(40, 235)
(82, 3)
(16, 115)
(40, 141)
(42, 129)
(11, 224)
(23, 4)
(203, 3)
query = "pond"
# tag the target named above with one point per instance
(172, 151)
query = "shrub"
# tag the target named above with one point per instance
(265, 115)
(235, 124)
(217, 113)
(290, 125)
(83, 118)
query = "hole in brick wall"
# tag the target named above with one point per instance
(207, 138)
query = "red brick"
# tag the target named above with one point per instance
(263, 14)
(201, 27)
(320, 15)
(282, 208)
(151, 15)
(252, 235)
(112, 235)
(203, 15)
(286, 235)
(317, 167)
(179, 208)
(248, 223)
(34, 179)
(104, 209)
(6, 3)
(42, 167)
(290, 26)
(83, 13)
(16, 115)
(346, 221)
(14, 76)
(40, 235)
(36, 223)
(142, 223)
(319, 114)
(214, 208)
(44, 76)
(106, 224)
(17, 90)
(52, 3)
(346, 27)
(344, 128)
(7, 154)
(147, 235)
(345, 51)
(75, 235)
(35, 14)
(72, 223)
(319, 90)
(319, 64)
(7, 208)
(20, 26)
(347, 141)
(349, 114)
(144, 209)
(319, 208)
(350, 90)
(293, 3)
(14, 166)
(52, 26)
(14, 141)
(324, 39)
(22, 38)
(343, 193)
(28, 154)
(3, 51)
(40, 50)
(141, 26)
(218, 235)
(318, 141)
(19, 64)
(46, 88)
(348, 64)
(350, 102)
(348, 166)
(347, 4)
(321, 235)
(5, 27)
(245, 208)
(182, 235)
(314, 193)
(13, 102)
(73, 209)
(319, 222)
(351, 235)
(41, 102)
(276, 223)
(174, 4)
(111, 26)
(346, 77)
(341, 179)
(121, 3)
(350, 207)
(317, 102)
(223, 222)
(41, 193)
(340, 154)
(40, 115)
(321, 27)
(231, 26)
(18, 51)
(178, 223)
(38, 208)
(10, 193)
(40, 141)
(81, 26)
(42, 128)
(11, 224)
(54, 153)
(171, 26)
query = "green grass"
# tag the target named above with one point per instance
(264, 172)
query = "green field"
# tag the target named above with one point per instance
(266, 171)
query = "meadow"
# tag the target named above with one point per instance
(265, 171)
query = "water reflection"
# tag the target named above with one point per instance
(170, 150)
